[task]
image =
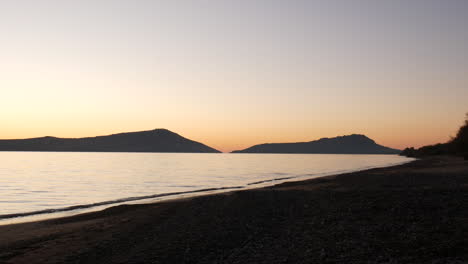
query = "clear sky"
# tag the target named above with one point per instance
(235, 73)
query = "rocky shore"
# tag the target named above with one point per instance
(412, 213)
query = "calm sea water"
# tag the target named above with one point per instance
(41, 181)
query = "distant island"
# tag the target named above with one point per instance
(351, 144)
(158, 140)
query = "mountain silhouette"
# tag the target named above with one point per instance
(158, 140)
(351, 144)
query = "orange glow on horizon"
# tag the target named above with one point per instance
(228, 78)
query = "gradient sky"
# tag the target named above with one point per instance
(235, 73)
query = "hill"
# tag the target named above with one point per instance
(158, 140)
(457, 146)
(351, 144)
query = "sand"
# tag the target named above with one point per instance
(412, 213)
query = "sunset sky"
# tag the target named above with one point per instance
(232, 74)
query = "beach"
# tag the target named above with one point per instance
(411, 213)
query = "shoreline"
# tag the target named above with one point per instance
(415, 212)
(53, 213)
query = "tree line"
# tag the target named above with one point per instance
(457, 145)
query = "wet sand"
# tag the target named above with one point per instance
(412, 213)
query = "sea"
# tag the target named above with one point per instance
(42, 185)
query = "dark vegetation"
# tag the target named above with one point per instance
(158, 140)
(456, 146)
(351, 144)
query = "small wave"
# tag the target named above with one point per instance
(129, 199)
(272, 180)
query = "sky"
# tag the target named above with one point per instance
(232, 74)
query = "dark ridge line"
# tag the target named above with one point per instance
(349, 144)
(129, 199)
(157, 140)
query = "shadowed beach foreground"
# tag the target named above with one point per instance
(413, 213)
